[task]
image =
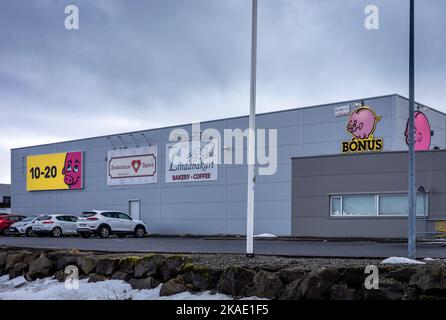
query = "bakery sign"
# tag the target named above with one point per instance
(191, 161)
(132, 166)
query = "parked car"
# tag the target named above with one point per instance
(7, 220)
(104, 223)
(23, 227)
(56, 225)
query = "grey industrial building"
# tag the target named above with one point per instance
(303, 198)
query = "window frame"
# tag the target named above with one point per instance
(377, 214)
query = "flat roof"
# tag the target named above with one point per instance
(229, 118)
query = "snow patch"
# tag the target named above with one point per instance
(52, 289)
(430, 259)
(401, 260)
(265, 235)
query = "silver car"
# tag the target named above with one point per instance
(106, 222)
(23, 227)
(56, 225)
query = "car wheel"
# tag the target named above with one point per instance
(140, 231)
(6, 233)
(104, 232)
(121, 235)
(57, 232)
(29, 232)
(85, 235)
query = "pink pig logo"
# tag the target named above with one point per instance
(72, 170)
(422, 132)
(362, 123)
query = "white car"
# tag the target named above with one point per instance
(55, 225)
(23, 227)
(106, 222)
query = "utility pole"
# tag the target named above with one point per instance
(252, 137)
(412, 239)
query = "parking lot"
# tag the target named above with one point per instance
(286, 247)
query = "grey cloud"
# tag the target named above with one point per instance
(152, 63)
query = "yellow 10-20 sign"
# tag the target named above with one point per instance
(57, 171)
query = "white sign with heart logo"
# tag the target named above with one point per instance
(132, 166)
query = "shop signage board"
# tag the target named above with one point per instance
(132, 166)
(56, 171)
(423, 132)
(362, 125)
(191, 161)
(342, 111)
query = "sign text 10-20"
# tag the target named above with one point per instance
(48, 172)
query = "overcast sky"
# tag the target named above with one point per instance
(138, 64)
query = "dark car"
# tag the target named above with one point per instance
(7, 220)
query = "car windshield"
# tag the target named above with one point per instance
(28, 219)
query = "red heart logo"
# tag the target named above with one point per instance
(136, 164)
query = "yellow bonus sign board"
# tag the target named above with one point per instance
(57, 171)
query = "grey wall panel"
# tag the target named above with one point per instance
(353, 228)
(196, 227)
(263, 210)
(194, 211)
(314, 179)
(273, 226)
(280, 119)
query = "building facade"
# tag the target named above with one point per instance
(365, 196)
(181, 200)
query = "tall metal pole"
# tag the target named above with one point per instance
(411, 183)
(251, 137)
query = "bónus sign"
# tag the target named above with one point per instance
(362, 125)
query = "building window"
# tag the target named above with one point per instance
(396, 205)
(336, 209)
(375, 205)
(5, 202)
(364, 205)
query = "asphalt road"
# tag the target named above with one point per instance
(363, 249)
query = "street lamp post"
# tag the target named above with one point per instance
(251, 137)
(411, 183)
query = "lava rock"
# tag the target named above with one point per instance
(146, 283)
(40, 268)
(430, 280)
(289, 275)
(291, 291)
(316, 285)
(265, 285)
(202, 278)
(235, 280)
(17, 270)
(171, 267)
(344, 292)
(106, 267)
(15, 258)
(402, 275)
(94, 277)
(148, 266)
(175, 286)
(86, 264)
(120, 275)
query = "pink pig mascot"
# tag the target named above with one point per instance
(362, 123)
(73, 170)
(422, 132)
